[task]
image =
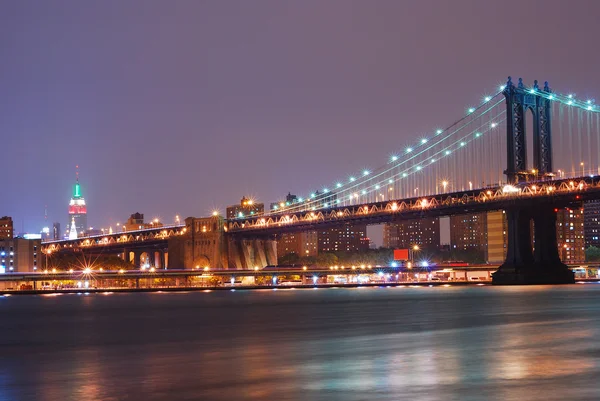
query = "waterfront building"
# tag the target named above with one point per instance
(19, 255)
(247, 207)
(405, 234)
(348, 238)
(570, 234)
(302, 243)
(469, 231)
(497, 240)
(6, 227)
(591, 223)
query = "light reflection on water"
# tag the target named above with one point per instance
(457, 343)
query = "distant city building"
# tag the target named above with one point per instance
(289, 201)
(407, 233)
(303, 243)
(56, 233)
(93, 231)
(77, 211)
(45, 233)
(570, 234)
(247, 207)
(6, 227)
(136, 222)
(591, 223)
(348, 237)
(19, 255)
(469, 232)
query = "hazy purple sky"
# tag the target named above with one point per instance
(184, 106)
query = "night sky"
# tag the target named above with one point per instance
(180, 107)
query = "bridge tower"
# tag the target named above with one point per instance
(519, 100)
(525, 264)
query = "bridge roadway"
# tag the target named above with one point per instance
(556, 193)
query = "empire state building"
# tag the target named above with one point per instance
(77, 212)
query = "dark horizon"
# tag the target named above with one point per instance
(183, 108)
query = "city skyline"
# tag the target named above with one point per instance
(192, 137)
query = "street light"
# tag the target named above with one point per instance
(444, 184)
(582, 173)
(415, 248)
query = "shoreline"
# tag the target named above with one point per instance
(260, 287)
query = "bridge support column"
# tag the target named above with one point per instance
(161, 259)
(137, 259)
(521, 265)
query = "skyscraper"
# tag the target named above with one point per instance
(56, 234)
(77, 209)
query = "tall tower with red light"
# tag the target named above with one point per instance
(77, 208)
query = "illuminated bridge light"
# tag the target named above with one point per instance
(377, 186)
(471, 110)
(439, 131)
(448, 152)
(570, 102)
(424, 140)
(325, 190)
(394, 158)
(390, 181)
(404, 175)
(338, 185)
(570, 96)
(432, 161)
(408, 150)
(364, 192)
(487, 99)
(366, 172)
(312, 195)
(462, 144)
(418, 168)
(352, 179)
(502, 87)
(394, 206)
(532, 90)
(551, 97)
(493, 125)
(477, 134)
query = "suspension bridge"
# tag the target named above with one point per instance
(524, 149)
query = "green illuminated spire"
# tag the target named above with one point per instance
(77, 188)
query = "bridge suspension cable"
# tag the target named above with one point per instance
(470, 153)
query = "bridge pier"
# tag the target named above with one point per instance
(523, 265)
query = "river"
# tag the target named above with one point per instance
(403, 343)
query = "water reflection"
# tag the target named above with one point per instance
(454, 343)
